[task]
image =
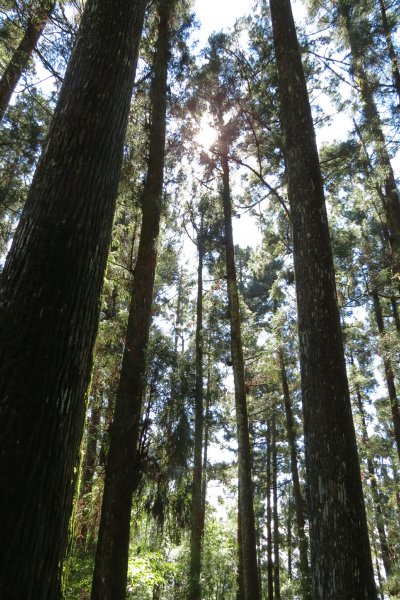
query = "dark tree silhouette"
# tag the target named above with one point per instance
(49, 297)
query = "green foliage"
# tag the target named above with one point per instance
(219, 558)
(147, 571)
(79, 578)
(21, 138)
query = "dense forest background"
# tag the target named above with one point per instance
(193, 428)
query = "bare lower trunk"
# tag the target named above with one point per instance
(277, 584)
(389, 375)
(197, 519)
(248, 538)
(91, 454)
(49, 298)
(270, 565)
(289, 539)
(379, 517)
(340, 553)
(111, 563)
(89, 465)
(298, 498)
(206, 440)
(240, 581)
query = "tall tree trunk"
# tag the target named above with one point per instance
(391, 51)
(396, 483)
(270, 565)
(240, 580)
(88, 468)
(250, 569)
(22, 54)
(379, 517)
(340, 553)
(390, 196)
(389, 375)
(197, 519)
(178, 316)
(298, 498)
(206, 440)
(49, 297)
(289, 539)
(378, 571)
(90, 459)
(111, 563)
(277, 585)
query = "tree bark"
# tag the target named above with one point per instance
(378, 571)
(49, 297)
(21, 56)
(91, 455)
(197, 519)
(389, 375)
(111, 562)
(340, 553)
(240, 580)
(379, 517)
(289, 539)
(277, 584)
(90, 462)
(270, 565)
(298, 497)
(206, 439)
(248, 538)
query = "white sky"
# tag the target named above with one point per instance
(215, 15)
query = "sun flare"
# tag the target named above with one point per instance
(207, 134)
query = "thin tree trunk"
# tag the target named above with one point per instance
(88, 468)
(378, 573)
(396, 483)
(340, 553)
(249, 552)
(206, 440)
(259, 554)
(277, 585)
(389, 375)
(240, 581)
(49, 297)
(21, 56)
(379, 518)
(391, 51)
(171, 407)
(298, 498)
(111, 563)
(178, 319)
(157, 590)
(197, 519)
(270, 565)
(289, 539)
(90, 460)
